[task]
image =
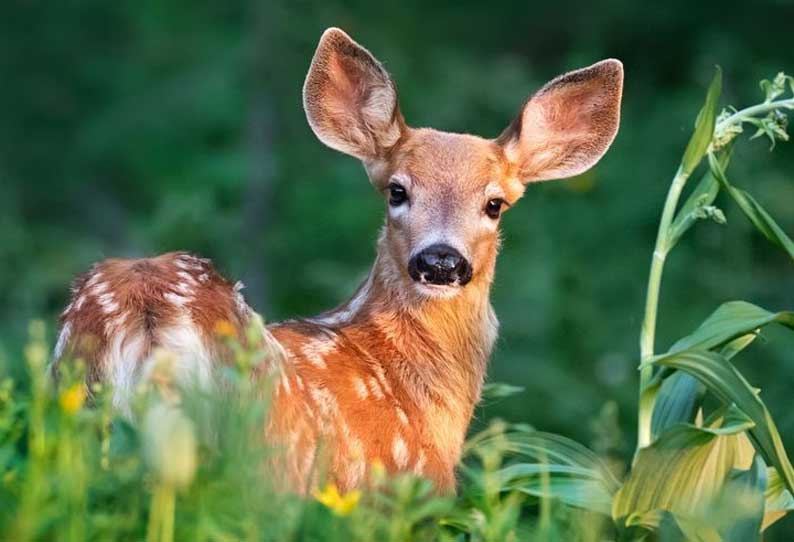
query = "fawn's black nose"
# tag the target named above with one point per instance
(440, 264)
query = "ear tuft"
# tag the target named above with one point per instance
(350, 100)
(568, 125)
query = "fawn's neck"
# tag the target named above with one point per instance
(442, 344)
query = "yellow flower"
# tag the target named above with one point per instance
(224, 328)
(341, 505)
(72, 398)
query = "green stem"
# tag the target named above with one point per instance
(662, 248)
(749, 112)
(648, 333)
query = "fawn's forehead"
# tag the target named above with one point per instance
(442, 160)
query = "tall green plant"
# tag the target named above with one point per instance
(697, 475)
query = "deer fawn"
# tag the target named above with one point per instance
(393, 374)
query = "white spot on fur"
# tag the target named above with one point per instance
(123, 357)
(381, 376)
(239, 300)
(187, 276)
(93, 279)
(375, 388)
(399, 452)
(63, 338)
(299, 382)
(360, 387)
(68, 309)
(176, 299)
(108, 303)
(316, 350)
(325, 401)
(79, 302)
(402, 416)
(194, 365)
(203, 278)
(419, 466)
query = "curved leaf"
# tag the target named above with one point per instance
(704, 126)
(753, 210)
(730, 387)
(730, 321)
(678, 401)
(684, 469)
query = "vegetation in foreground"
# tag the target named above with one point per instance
(188, 465)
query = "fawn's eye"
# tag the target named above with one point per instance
(494, 207)
(397, 195)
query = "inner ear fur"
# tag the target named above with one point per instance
(568, 125)
(350, 100)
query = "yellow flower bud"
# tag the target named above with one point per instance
(72, 398)
(341, 505)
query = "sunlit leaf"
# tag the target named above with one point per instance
(729, 386)
(684, 469)
(778, 499)
(730, 321)
(704, 127)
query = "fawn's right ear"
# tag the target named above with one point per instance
(350, 100)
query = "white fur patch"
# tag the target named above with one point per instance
(349, 310)
(399, 452)
(402, 416)
(360, 387)
(194, 365)
(108, 303)
(316, 350)
(63, 339)
(375, 388)
(79, 302)
(176, 299)
(123, 357)
(419, 466)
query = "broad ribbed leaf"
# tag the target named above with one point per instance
(743, 503)
(704, 127)
(753, 210)
(678, 401)
(778, 499)
(730, 321)
(685, 468)
(587, 493)
(729, 386)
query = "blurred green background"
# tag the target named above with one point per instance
(129, 129)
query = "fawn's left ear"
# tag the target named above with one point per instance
(568, 125)
(350, 100)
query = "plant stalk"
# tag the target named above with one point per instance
(648, 332)
(661, 249)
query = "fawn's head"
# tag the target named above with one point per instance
(445, 192)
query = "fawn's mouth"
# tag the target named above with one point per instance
(437, 291)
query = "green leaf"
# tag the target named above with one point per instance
(745, 493)
(753, 210)
(679, 398)
(730, 321)
(585, 493)
(778, 499)
(684, 469)
(702, 196)
(704, 127)
(499, 390)
(729, 386)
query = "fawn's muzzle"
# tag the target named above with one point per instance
(440, 265)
